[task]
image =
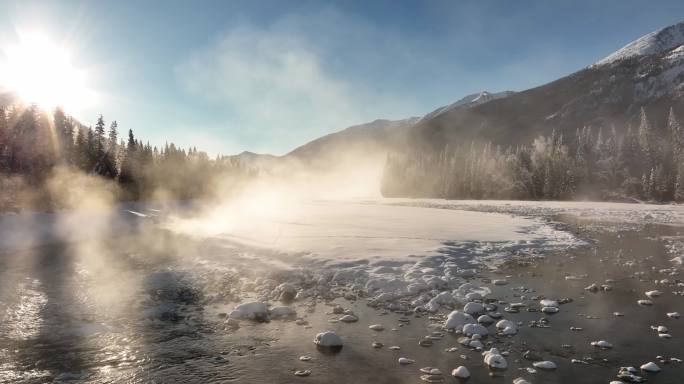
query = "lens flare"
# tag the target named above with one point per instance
(41, 72)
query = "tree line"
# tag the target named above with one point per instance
(645, 163)
(33, 143)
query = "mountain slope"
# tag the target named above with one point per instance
(373, 139)
(610, 93)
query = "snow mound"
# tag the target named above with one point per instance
(655, 42)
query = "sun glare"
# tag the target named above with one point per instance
(40, 71)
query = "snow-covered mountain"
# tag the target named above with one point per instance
(656, 42)
(648, 73)
(371, 140)
(376, 138)
(252, 160)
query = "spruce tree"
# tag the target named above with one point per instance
(646, 140)
(4, 141)
(113, 134)
(99, 136)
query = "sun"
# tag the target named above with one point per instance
(41, 72)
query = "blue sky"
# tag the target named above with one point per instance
(268, 76)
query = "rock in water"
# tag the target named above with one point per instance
(547, 365)
(405, 361)
(431, 371)
(654, 293)
(673, 315)
(282, 312)
(493, 359)
(602, 344)
(303, 373)
(628, 374)
(349, 319)
(328, 339)
(376, 327)
(548, 303)
(507, 327)
(461, 372)
(520, 380)
(650, 367)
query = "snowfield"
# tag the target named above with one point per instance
(345, 231)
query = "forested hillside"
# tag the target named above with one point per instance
(645, 163)
(33, 143)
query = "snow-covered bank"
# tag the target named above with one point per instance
(596, 211)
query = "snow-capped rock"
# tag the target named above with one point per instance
(457, 319)
(494, 359)
(602, 344)
(348, 318)
(286, 292)
(650, 367)
(405, 361)
(328, 339)
(475, 329)
(461, 372)
(507, 327)
(548, 303)
(473, 308)
(255, 310)
(520, 380)
(547, 365)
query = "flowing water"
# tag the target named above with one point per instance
(150, 308)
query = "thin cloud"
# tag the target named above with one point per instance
(273, 85)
